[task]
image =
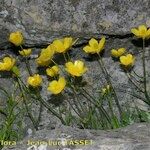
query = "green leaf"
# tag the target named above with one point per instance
(16, 71)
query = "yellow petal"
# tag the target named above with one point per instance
(79, 64)
(68, 42)
(50, 72)
(25, 52)
(114, 53)
(2, 66)
(53, 71)
(127, 60)
(148, 34)
(88, 49)
(135, 32)
(16, 38)
(142, 28)
(76, 69)
(62, 82)
(57, 86)
(69, 64)
(59, 46)
(34, 80)
(93, 42)
(102, 43)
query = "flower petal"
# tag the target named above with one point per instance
(93, 42)
(102, 43)
(142, 28)
(135, 31)
(68, 42)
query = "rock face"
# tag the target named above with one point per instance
(41, 21)
(134, 137)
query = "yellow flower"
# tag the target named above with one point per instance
(141, 32)
(45, 56)
(53, 71)
(62, 45)
(106, 89)
(7, 64)
(25, 52)
(118, 53)
(16, 38)
(127, 60)
(56, 87)
(76, 69)
(35, 80)
(95, 46)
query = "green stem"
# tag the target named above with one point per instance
(75, 88)
(115, 121)
(129, 77)
(144, 70)
(68, 56)
(40, 99)
(3, 113)
(78, 113)
(78, 101)
(107, 76)
(40, 113)
(93, 102)
(27, 64)
(26, 106)
(65, 57)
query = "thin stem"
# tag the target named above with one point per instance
(27, 64)
(130, 93)
(26, 106)
(144, 69)
(40, 113)
(40, 99)
(3, 113)
(65, 57)
(137, 75)
(112, 112)
(74, 108)
(58, 66)
(107, 76)
(100, 107)
(68, 56)
(129, 77)
(76, 97)
(75, 88)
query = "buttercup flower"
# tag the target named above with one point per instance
(25, 52)
(127, 61)
(62, 45)
(53, 71)
(118, 53)
(141, 32)
(45, 56)
(95, 46)
(16, 38)
(35, 80)
(7, 64)
(76, 69)
(56, 87)
(106, 89)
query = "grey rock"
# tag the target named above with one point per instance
(134, 137)
(94, 77)
(42, 21)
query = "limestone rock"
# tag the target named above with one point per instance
(41, 21)
(134, 137)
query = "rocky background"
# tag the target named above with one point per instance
(41, 21)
